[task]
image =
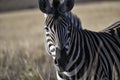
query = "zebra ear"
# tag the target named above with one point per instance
(66, 6)
(44, 6)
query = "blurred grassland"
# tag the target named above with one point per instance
(22, 51)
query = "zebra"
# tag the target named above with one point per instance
(79, 54)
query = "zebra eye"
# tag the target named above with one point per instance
(69, 27)
(46, 29)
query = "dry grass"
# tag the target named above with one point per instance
(22, 52)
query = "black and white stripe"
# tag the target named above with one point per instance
(80, 54)
(88, 55)
(50, 31)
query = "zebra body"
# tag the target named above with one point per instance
(80, 54)
(95, 53)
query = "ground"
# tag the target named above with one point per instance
(22, 51)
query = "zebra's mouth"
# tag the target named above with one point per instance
(61, 59)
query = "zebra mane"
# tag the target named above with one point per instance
(75, 20)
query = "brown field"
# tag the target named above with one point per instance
(22, 52)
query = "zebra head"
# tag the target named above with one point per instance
(55, 6)
(58, 28)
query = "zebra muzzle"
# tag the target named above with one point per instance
(60, 60)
